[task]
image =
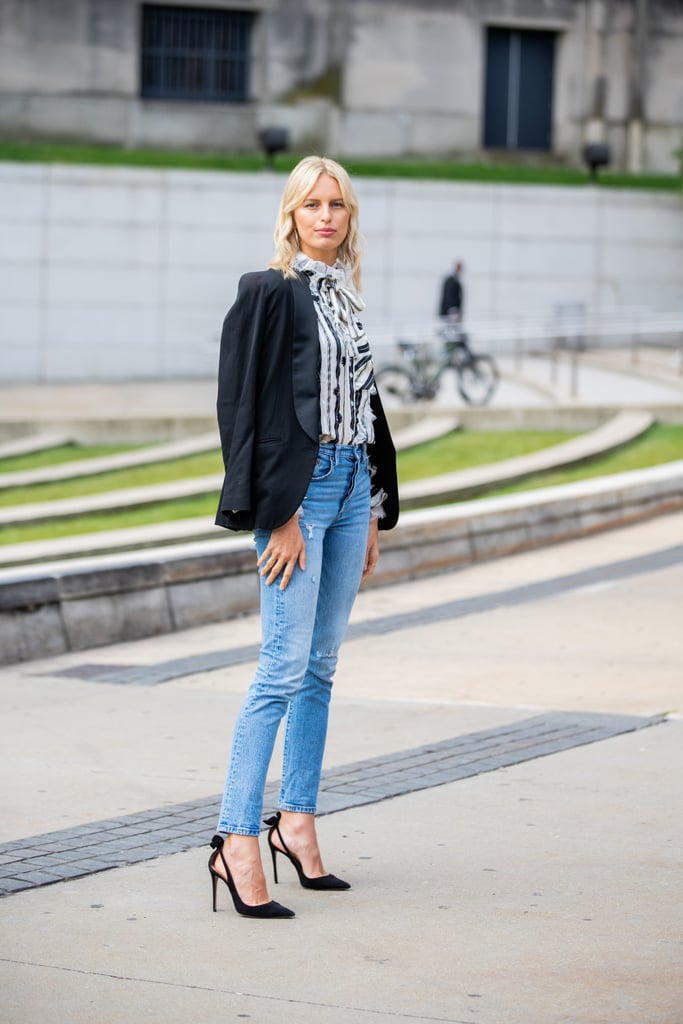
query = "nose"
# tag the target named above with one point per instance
(325, 212)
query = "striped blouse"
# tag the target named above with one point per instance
(347, 377)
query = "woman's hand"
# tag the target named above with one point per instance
(286, 549)
(372, 550)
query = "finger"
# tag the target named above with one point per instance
(286, 577)
(267, 567)
(266, 557)
(269, 558)
(271, 570)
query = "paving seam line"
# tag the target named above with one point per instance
(177, 668)
(117, 842)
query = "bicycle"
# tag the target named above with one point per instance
(418, 378)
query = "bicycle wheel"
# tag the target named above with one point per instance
(395, 383)
(477, 380)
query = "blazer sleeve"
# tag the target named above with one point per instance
(244, 329)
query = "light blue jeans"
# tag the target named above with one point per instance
(302, 629)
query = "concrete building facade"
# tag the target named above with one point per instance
(473, 79)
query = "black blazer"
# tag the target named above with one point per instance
(269, 406)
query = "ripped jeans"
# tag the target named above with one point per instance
(302, 628)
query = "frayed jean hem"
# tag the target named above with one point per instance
(296, 808)
(238, 830)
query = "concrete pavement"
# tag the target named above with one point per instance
(540, 891)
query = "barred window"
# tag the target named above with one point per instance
(192, 53)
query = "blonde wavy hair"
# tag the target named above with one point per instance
(300, 184)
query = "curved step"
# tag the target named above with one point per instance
(108, 463)
(28, 444)
(62, 606)
(466, 483)
(437, 490)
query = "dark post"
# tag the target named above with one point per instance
(273, 140)
(595, 155)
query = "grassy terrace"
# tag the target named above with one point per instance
(459, 450)
(432, 170)
(71, 452)
(138, 476)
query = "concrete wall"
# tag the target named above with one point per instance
(125, 273)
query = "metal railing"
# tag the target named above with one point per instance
(571, 333)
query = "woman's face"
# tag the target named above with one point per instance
(322, 221)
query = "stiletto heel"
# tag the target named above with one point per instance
(271, 909)
(325, 882)
(214, 881)
(273, 854)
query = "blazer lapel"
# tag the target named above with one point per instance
(306, 360)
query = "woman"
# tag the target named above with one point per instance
(310, 467)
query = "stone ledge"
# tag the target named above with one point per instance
(85, 603)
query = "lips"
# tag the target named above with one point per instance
(326, 232)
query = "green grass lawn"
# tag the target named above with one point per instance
(455, 451)
(464, 449)
(661, 443)
(161, 512)
(434, 170)
(139, 476)
(59, 454)
(459, 450)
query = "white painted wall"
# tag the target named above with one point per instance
(125, 273)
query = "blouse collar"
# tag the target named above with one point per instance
(316, 268)
(331, 283)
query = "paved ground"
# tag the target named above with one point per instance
(606, 377)
(519, 861)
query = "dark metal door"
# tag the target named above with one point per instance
(519, 89)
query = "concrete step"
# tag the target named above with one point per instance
(437, 490)
(74, 605)
(134, 497)
(28, 444)
(78, 468)
(466, 483)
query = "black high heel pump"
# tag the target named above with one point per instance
(325, 882)
(271, 909)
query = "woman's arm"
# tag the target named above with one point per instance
(372, 550)
(258, 309)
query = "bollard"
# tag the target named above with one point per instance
(557, 342)
(574, 373)
(519, 351)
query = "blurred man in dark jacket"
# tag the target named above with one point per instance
(452, 294)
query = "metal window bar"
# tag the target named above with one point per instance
(195, 54)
